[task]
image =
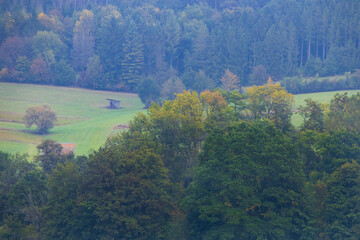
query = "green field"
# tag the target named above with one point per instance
(321, 97)
(83, 116)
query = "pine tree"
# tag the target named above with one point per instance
(133, 57)
(83, 40)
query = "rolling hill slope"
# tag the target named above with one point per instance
(83, 116)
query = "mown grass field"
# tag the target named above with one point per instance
(83, 116)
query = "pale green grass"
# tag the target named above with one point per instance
(82, 116)
(322, 97)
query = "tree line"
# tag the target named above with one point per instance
(214, 165)
(117, 45)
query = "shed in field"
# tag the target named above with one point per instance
(114, 104)
(68, 148)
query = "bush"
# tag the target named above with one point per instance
(297, 85)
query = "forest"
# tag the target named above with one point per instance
(209, 162)
(119, 45)
(214, 165)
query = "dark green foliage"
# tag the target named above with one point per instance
(248, 185)
(60, 212)
(94, 76)
(110, 34)
(345, 113)
(64, 74)
(22, 67)
(49, 46)
(133, 57)
(148, 91)
(297, 85)
(258, 75)
(312, 67)
(157, 39)
(124, 195)
(343, 202)
(337, 148)
(313, 115)
(83, 40)
(22, 195)
(50, 155)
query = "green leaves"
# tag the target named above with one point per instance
(127, 192)
(248, 182)
(343, 202)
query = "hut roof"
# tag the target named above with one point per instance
(113, 100)
(68, 148)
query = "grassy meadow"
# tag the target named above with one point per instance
(83, 116)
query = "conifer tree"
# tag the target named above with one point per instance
(133, 57)
(83, 40)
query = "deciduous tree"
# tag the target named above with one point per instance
(273, 102)
(342, 203)
(124, 194)
(44, 42)
(42, 116)
(172, 86)
(230, 81)
(258, 75)
(50, 155)
(148, 91)
(313, 115)
(248, 185)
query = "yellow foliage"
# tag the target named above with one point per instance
(51, 23)
(41, 15)
(271, 101)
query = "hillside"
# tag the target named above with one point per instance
(117, 45)
(83, 117)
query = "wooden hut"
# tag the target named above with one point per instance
(114, 104)
(68, 148)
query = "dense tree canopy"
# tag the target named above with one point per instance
(196, 41)
(224, 162)
(248, 181)
(195, 167)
